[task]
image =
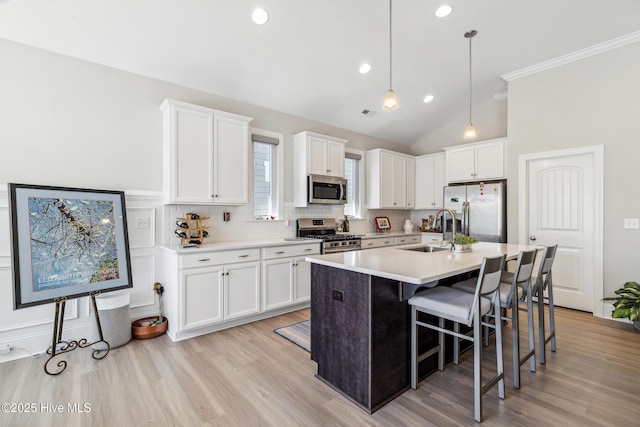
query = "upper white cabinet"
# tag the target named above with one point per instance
(206, 155)
(315, 154)
(430, 181)
(390, 180)
(477, 161)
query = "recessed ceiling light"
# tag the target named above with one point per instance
(365, 68)
(428, 98)
(260, 16)
(443, 11)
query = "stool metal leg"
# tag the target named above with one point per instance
(477, 366)
(441, 345)
(456, 344)
(544, 339)
(414, 349)
(515, 333)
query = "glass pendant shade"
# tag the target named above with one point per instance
(390, 101)
(469, 132)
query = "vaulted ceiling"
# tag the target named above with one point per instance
(304, 61)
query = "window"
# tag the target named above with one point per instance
(267, 174)
(353, 174)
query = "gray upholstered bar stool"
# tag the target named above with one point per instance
(461, 307)
(515, 288)
(541, 282)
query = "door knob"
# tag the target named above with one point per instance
(532, 237)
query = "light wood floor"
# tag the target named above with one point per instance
(249, 376)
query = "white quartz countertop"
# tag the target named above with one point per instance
(236, 244)
(396, 263)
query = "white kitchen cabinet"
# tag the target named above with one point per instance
(476, 162)
(387, 176)
(405, 240)
(206, 155)
(315, 154)
(209, 288)
(241, 289)
(430, 181)
(286, 276)
(431, 237)
(377, 242)
(202, 298)
(411, 182)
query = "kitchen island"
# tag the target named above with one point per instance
(360, 318)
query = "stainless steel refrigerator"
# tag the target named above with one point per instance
(481, 211)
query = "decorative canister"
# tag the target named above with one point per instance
(408, 227)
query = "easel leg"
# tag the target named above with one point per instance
(72, 345)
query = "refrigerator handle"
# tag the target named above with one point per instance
(465, 218)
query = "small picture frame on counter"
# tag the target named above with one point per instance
(382, 223)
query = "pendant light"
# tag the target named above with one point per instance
(390, 99)
(470, 131)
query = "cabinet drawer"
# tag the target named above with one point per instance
(405, 240)
(377, 243)
(290, 251)
(216, 258)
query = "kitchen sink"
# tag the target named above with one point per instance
(428, 249)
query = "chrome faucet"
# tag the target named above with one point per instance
(444, 224)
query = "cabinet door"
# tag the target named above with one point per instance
(231, 161)
(410, 182)
(399, 182)
(489, 161)
(439, 181)
(424, 188)
(277, 283)
(241, 289)
(188, 154)
(335, 158)
(301, 280)
(201, 297)
(386, 180)
(461, 164)
(317, 155)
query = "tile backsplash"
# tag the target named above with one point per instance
(243, 226)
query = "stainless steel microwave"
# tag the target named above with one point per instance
(327, 190)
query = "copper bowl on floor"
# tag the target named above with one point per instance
(148, 328)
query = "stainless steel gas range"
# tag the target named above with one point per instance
(325, 229)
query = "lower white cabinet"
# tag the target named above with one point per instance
(214, 294)
(377, 242)
(202, 297)
(405, 240)
(241, 289)
(286, 276)
(206, 291)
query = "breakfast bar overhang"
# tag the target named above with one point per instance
(360, 318)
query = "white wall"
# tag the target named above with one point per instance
(67, 122)
(589, 102)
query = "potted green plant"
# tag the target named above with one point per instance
(627, 303)
(462, 243)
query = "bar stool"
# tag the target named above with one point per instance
(515, 288)
(543, 281)
(461, 307)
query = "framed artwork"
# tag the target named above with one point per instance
(382, 223)
(67, 242)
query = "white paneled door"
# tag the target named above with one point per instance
(563, 203)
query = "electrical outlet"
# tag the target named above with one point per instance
(632, 223)
(142, 223)
(4, 348)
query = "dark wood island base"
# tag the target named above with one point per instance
(360, 335)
